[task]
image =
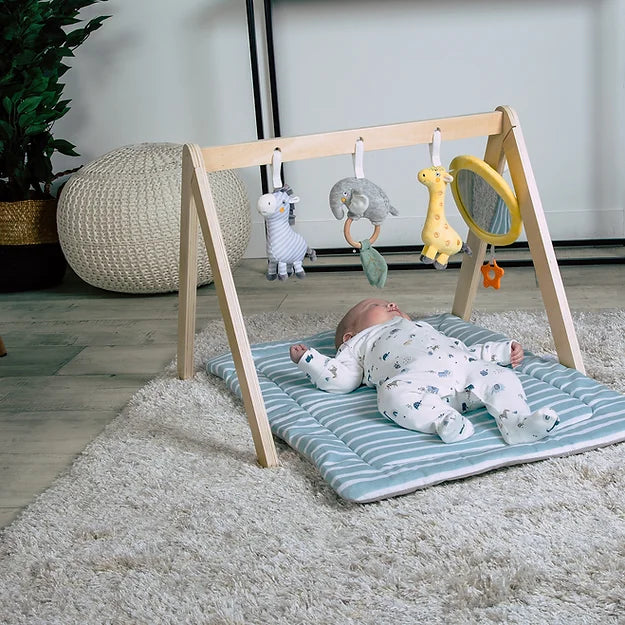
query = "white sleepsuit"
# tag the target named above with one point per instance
(426, 380)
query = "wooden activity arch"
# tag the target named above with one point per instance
(505, 143)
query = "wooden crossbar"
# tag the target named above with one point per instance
(343, 141)
(505, 142)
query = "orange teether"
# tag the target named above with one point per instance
(492, 273)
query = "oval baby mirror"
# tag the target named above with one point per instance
(485, 200)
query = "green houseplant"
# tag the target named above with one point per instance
(37, 36)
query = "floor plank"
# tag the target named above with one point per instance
(24, 476)
(8, 515)
(29, 433)
(97, 332)
(77, 392)
(120, 360)
(45, 360)
(10, 385)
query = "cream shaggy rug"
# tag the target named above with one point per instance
(166, 518)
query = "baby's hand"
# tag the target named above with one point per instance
(297, 351)
(516, 354)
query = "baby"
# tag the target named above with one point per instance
(424, 379)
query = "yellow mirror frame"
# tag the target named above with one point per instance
(497, 182)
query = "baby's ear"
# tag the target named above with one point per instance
(347, 336)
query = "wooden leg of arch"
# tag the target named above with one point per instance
(541, 247)
(469, 277)
(470, 271)
(187, 289)
(511, 144)
(229, 305)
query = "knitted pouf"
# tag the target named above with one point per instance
(118, 219)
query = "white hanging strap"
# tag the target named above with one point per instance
(492, 254)
(358, 159)
(435, 148)
(276, 166)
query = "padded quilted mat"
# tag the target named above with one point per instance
(366, 457)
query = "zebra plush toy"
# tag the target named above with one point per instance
(286, 249)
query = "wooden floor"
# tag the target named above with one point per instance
(77, 353)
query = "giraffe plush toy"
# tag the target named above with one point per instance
(441, 240)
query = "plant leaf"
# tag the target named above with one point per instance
(6, 129)
(27, 105)
(64, 147)
(35, 129)
(36, 36)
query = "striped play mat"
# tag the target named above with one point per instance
(366, 457)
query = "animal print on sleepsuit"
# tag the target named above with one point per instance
(425, 380)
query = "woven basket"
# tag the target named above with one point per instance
(29, 222)
(119, 219)
(30, 254)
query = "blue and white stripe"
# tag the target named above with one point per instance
(365, 457)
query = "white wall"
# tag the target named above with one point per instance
(560, 64)
(163, 71)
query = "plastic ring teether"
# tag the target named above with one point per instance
(348, 236)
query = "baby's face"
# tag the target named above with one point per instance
(371, 312)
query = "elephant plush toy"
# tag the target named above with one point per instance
(361, 198)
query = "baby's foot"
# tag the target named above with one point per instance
(453, 427)
(518, 429)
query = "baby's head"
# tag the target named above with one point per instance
(369, 312)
